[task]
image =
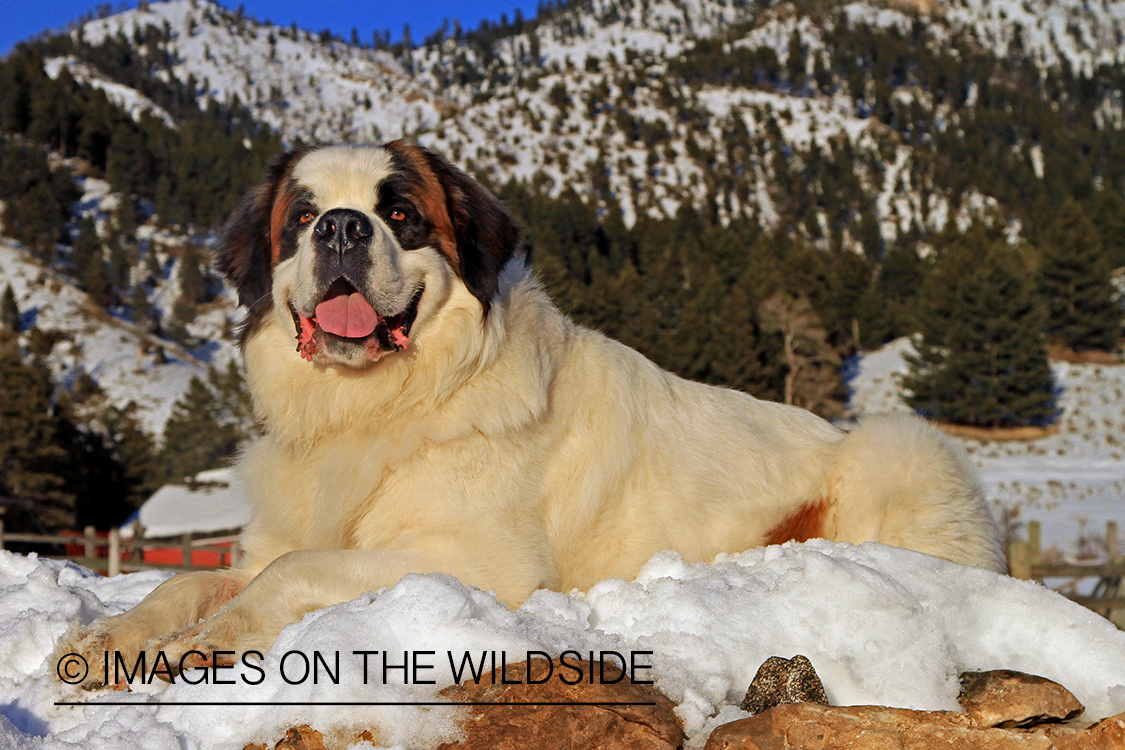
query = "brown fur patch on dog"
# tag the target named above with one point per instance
(282, 200)
(428, 194)
(803, 524)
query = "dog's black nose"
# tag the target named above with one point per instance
(342, 229)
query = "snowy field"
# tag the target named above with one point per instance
(881, 626)
(1072, 482)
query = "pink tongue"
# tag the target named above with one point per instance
(348, 315)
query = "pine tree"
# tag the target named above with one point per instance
(745, 357)
(884, 309)
(875, 316)
(9, 310)
(128, 165)
(93, 475)
(86, 244)
(153, 268)
(981, 356)
(135, 449)
(197, 435)
(120, 265)
(236, 409)
(94, 279)
(1109, 217)
(31, 458)
(1083, 312)
(175, 324)
(125, 221)
(37, 202)
(193, 289)
(142, 308)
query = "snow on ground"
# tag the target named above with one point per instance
(881, 626)
(1072, 482)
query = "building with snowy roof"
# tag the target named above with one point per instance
(211, 507)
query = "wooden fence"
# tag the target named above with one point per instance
(126, 555)
(1025, 560)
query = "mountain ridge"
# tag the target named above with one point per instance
(490, 124)
(709, 157)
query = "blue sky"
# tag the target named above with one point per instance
(25, 18)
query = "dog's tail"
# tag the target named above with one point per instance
(900, 481)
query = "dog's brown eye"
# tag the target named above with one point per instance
(398, 215)
(306, 217)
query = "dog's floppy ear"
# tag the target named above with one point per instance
(244, 254)
(486, 234)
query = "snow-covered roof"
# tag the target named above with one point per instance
(212, 501)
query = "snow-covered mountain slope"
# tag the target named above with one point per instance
(1072, 481)
(1081, 33)
(582, 99)
(129, 364)
(128, 99)
(616, 28)
(590, 98)
(309, 90)
(120, 358)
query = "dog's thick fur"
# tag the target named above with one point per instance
(479, 432)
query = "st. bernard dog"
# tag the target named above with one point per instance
(428, 409)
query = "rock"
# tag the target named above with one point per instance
(1107, 734)
(783, 681)
(1050, 731)
(303, 737)
(1004, 698)
(810, 726)
(589, 727)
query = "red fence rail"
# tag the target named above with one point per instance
(110, 553)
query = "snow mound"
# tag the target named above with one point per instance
(881, 625)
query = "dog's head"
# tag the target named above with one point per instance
(347, 239)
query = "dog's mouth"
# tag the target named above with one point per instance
(344, 318)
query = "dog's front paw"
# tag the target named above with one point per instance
(90, 656)
(116, 649)
(216, 642)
